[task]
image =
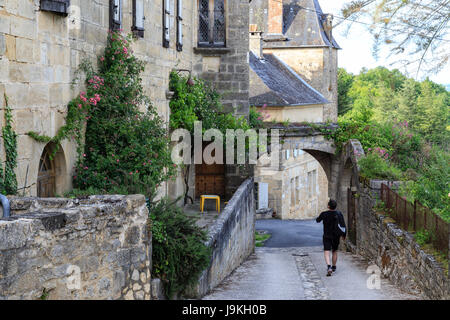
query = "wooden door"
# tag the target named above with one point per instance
(46, 176)
(210, 179)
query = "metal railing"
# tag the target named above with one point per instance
(416, 217)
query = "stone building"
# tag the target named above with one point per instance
(42, 43)
(293, 78)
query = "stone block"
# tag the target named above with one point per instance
(24, 50)
(5, 22)
(25, 28)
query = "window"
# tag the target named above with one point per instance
(57, 6)
(179, 25)
(138, 18)
(297, 189)
(211, 23)
(312, 181)
(292, 192)
(166, 18)
(115, 13)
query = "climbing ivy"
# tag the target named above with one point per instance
(8, 180)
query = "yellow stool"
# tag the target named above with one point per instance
(214, 197)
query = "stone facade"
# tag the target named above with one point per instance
(396, 253)
(95, 248)
(40, 52)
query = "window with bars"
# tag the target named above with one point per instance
(211, 24)
(166, 21)
(179, 25)
(57, 6)
(115, 14)
(138, 18)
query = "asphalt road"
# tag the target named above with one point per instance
(291, 233)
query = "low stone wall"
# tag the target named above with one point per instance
(396, 253)
(96, 248)
(232, 238)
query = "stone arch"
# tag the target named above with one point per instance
(319, 148)
(51, 172)
(348, 183)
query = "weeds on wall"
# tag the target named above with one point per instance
(8, 179)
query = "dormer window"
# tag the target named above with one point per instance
(56, 6)
(138, 18)
(211, 31)
(115, 12)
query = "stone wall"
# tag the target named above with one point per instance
(96, 248)
(396, 253)
(40, 52)
(232, 238)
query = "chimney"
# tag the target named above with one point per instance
(275, 19)
(255, 41)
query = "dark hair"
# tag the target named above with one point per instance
(332, 204)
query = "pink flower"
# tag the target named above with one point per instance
(84, 154)
(118, 160)
(80, 106)
(102, 59)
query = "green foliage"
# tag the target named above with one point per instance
(179, 250)
(423, 237)
(260, 238)
(8, 180)
(123, 149)
(373, 166)
(404, 122)
(195, 100)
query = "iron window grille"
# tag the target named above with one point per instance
(138, 18)
(211, 25)
(56, 6)
(115, 10)
(179, 25)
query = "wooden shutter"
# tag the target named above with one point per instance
(179, 25)
(115, 12)
(57, 6)
(138, 18)
(166, 21)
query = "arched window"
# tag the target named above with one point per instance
(211, 24)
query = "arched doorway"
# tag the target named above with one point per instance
(50, 180)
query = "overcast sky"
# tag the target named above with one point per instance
(357, 45)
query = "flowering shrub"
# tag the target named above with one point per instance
(123, 150)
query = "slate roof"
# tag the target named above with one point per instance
(274, 83)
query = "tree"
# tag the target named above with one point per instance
(417, 28)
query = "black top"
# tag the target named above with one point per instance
(329, 222)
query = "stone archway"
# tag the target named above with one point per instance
(51, 177)
(286, 177)
(348, 185)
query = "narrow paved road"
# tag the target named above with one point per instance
(291, 267)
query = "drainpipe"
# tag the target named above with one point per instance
(5, 204)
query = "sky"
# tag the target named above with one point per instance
(357, 46)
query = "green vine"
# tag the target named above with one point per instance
(8, 180)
